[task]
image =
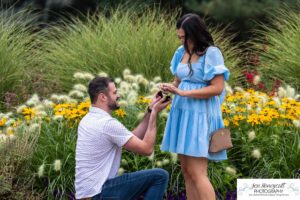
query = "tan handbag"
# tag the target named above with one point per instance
(220, 140)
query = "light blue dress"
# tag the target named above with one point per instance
(191, 121)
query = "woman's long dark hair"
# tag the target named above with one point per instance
(197, 32)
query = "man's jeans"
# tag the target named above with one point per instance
(150, 183)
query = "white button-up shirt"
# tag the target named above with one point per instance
(98, 151)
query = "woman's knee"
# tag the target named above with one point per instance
(185, 171)
(194, 168)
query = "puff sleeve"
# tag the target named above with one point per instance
(214, 64)
(176, 59)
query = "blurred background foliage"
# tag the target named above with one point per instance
(58, 32)
(241, 15)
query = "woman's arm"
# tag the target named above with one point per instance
(176, 81)
(214, 89)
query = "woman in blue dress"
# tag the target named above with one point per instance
(199, 71)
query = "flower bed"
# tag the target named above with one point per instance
(265, 131)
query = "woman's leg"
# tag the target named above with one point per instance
(187, 180)
(196, 172)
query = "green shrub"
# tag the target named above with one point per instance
(143, 42)
(15, 155)
(240, 15)
(278, 47)
(55, 153)
(278, 147)
(16, 52)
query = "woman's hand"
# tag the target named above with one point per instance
(168, 87)
(162, 86)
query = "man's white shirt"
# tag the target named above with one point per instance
(98, 151)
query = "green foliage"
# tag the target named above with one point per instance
(231, 53)
(144, 43)
(16, 51)
(57, 141)
(15, 155)
(240, 14)
(279, 148)
(280, 56)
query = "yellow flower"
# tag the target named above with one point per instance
(240, 109)
(143, 100)
(253, 119)
(27, 118)
(264, 119)
(28, 113)
(226, 122)
(120, 113)
(84, 105)
(16, 123)
(3, 121)
(274, 114)
(82, 112)
(230, 98)
(251, 91)
(10, 131)
(225, 110)
(169, 107)
(271, 103)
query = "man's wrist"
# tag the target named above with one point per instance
(154, 112)
(149, 110)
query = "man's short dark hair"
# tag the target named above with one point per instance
(98, 85)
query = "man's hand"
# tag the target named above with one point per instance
(154, 100)
(144, 139)
(160, 105)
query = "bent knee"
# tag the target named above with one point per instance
(161, 173)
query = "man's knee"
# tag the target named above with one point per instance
(161, 174)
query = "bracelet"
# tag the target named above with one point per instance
(149, 109)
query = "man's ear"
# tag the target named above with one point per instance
(102, 97)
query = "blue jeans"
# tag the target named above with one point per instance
(150, 183)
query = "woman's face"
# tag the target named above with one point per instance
(181, 37)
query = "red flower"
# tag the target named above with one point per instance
(261, 85)
(249, 77)
(276, 85)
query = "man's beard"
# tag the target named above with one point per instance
(112, 105)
